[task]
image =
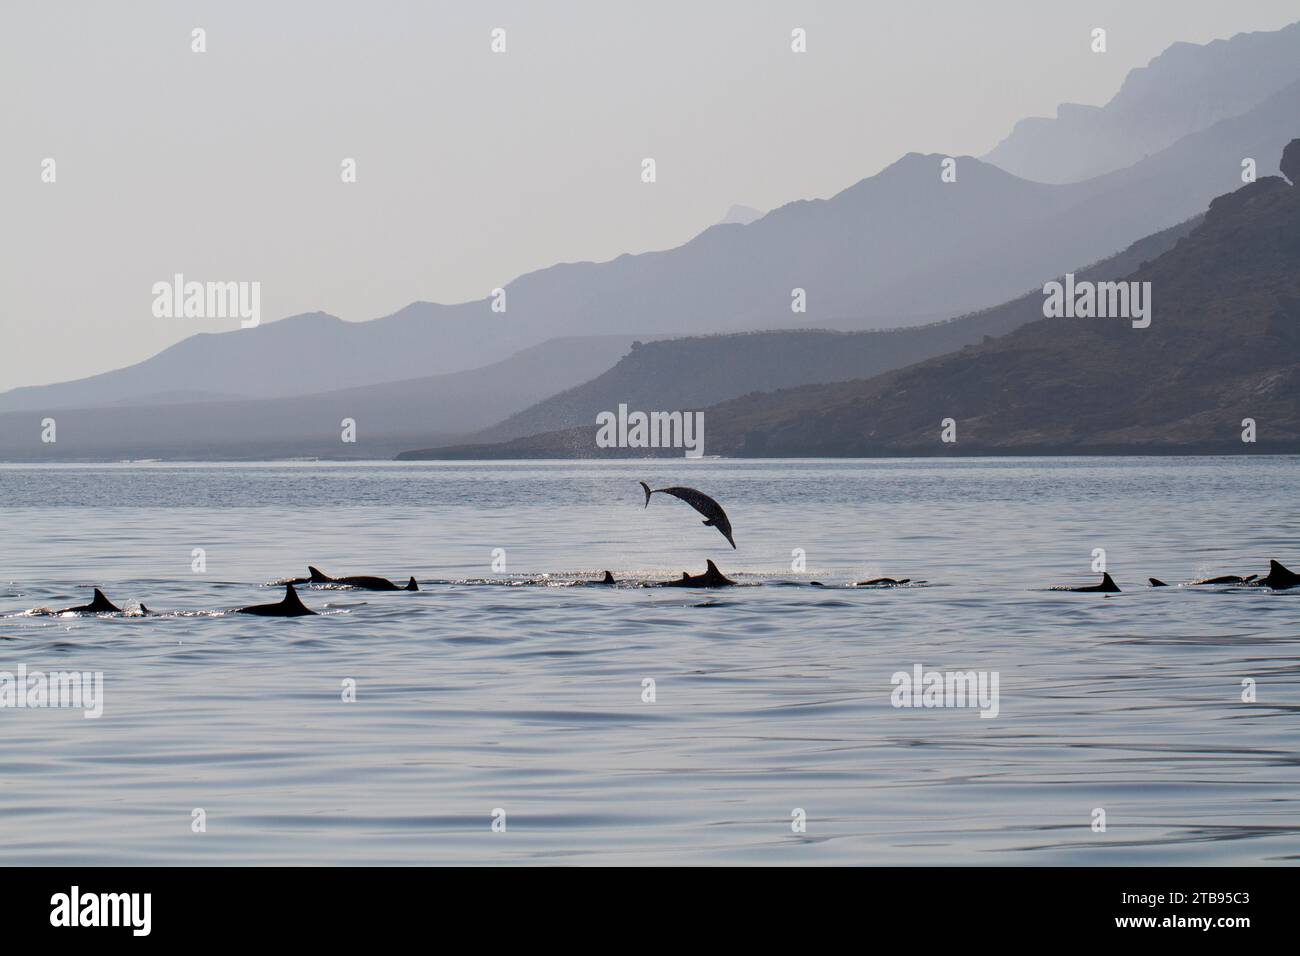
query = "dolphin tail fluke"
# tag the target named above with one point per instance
(648, 493)
(316, 574)
(411, 585)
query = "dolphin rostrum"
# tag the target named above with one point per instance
(712, 511)
(363, 582)
(100, 605)
(1106, 586)
(291, 606)
(711, 578)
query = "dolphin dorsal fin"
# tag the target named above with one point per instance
(1274, 567)
(316, 574)
(411, 585)
(608, 579)
(101, 603)
(713, 568)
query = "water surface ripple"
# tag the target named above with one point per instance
(482, 692)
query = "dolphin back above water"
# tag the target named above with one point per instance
(714, 516)
(291, 606)
(98, 605)
(1107, 586)
(1279, 577)
(711, 578)
(364, 582)
(1228, 579)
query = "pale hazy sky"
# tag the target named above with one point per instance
(474, 167)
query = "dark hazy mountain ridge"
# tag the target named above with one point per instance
(1223, 346)
(694, 372)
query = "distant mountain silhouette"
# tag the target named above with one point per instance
(1223, 346)
(890, 248)
(902, 242)
(740, 215)
(689, 373)
(298, 355)
(1185, 89)
(389, 417)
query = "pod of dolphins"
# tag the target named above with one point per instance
(1279, 578)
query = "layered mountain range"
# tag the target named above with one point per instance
(1216, 370)
(693, 372)
(387, 417)
(880, 261)
(1187, 88)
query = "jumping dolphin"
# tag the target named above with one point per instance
(712, 511)
(881, 582)
(361, 581)
(291, 606)
(100, 605)
(1279, 578)
(711, 578)
(1107, 586)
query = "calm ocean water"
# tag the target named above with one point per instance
(479, 693)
